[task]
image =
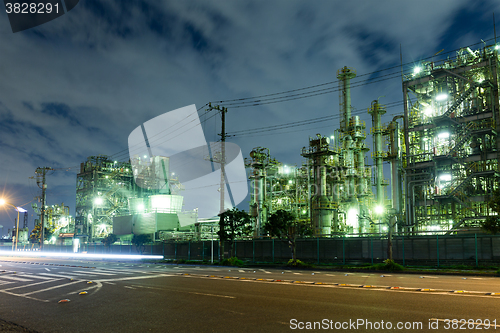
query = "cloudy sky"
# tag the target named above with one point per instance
(79, 85)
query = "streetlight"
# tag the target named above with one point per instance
(19, 209)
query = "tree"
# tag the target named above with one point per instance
(285, 226)
(232, 224)
(139, 241)
(109, 240)
(35, 234)
(492, 222)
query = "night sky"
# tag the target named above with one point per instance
(79, 85)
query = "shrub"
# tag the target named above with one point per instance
(297, 263)
(391, 265)
(233, 261)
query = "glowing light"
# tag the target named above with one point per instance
(140, 207)
(379, 210)
(98, 201)
(78, 255)
(446, 177)
(428, 111)
(444, 135)
(417, 70)
(352, 217)
(145, 156)
(304, 211)
(441, 97)
(2, 202)
(290, 181)
(497, 47)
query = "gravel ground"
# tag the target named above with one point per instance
(6, 326)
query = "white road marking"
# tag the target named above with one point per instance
(59, 275)
(129, 287)
(94, 272)
(33, 284)
(48, 270)
(50, 288)
(24, 296)
(134, 278)
(14, 278)
(33, 276)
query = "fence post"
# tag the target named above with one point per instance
(189, 249)
(343, 249)
(253, 250)
(475, 241)
(403, 249)
(317, 238)
(175, 251)
(371, 241)
(437, 248)
(202, 251)
(273, 250)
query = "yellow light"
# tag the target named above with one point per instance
(2, 202)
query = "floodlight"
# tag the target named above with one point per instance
(417, 70)
(441, 97)
(379, 210)
(446, 177)
(98, 201)
(428, 111)
(444, 135)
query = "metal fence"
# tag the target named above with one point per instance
(437, 249)
(467, 249)
(156, 249)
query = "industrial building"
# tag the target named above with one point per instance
(451, 143)
(442, 152)
(429, 170)
(113, 197)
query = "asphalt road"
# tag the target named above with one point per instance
(105, 296)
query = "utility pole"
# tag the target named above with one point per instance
(42, 172)
(222, 162)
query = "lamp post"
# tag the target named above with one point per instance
(19, 209)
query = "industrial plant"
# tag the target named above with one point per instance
(440, 154)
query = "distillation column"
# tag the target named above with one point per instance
(321, 205)
(258, 206)
(393, 157)
(345, 75)
(377, 110)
